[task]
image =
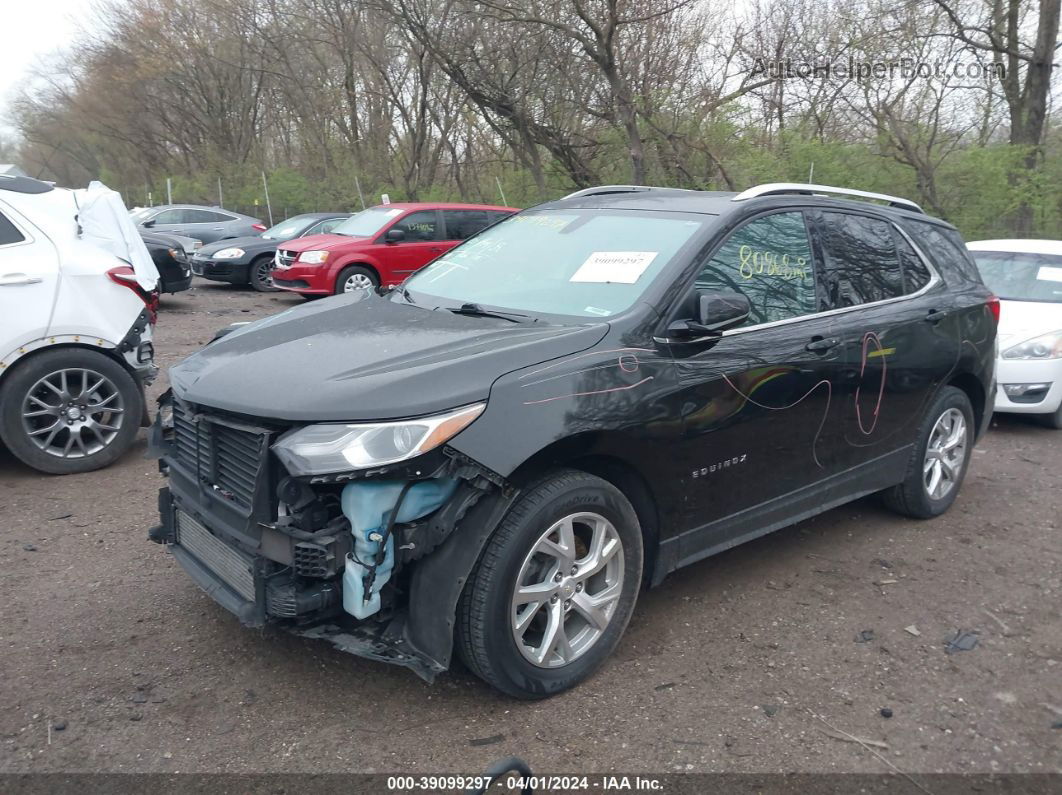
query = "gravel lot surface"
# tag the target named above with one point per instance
(760, 659)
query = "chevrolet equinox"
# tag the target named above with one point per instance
(496, 455)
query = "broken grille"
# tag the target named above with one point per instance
(228, 459)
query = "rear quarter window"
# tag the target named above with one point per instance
(9, 232)
(945, 250)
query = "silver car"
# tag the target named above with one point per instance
(202, 223)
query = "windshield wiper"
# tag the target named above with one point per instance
(475, 310)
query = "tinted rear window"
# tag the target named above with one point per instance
(945, 249)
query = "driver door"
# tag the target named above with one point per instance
(756, 403)
(420, 246)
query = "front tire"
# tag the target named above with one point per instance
(940, 459)
(69, 410)
(260, 272)
(354, 278)
(554, 588)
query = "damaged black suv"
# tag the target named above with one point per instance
(497, 455)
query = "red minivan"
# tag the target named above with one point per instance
(380, 245)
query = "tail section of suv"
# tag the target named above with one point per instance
(581, 399)
(379, 246)
(78, 291)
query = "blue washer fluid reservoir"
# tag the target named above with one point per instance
(367, 505)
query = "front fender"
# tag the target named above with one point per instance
(438, 579)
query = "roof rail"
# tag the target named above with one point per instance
(781, 188)
(602, 190)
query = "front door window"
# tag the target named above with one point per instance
(769, 261)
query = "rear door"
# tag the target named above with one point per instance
(756, 405)
(208, 225)
(29, 274)
(892, 312)
(422, 243)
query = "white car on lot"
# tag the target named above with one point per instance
(1027, 277)
(77, 310)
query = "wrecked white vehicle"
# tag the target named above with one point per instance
(77, 307)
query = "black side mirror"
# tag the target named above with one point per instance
(150, 222)
(395, 235)
(716, 312)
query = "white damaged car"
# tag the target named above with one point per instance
(77, 309)
(1026, 275)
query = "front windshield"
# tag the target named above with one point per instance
(1021, 277)
(587, 263)
(368, 222)
(142, 213)
(289, 228)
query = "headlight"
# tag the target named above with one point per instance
(1047, 346)
(338, 447)
(229, 253)
(313, 257)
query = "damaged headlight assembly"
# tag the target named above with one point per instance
(337, 447)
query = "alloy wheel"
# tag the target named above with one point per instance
(72, 413)
(264, 273)
(945, 454)
(567, 591)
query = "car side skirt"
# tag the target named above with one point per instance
(730, 531)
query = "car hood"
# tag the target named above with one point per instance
(1023, 320)
(248, 243)
(363, 357)
(324, 242)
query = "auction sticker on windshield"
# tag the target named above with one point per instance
(1049, 274)
(621, 267)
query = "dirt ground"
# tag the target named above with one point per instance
(112, 659)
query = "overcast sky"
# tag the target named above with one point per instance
(32, 29)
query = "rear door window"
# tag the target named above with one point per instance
(862, 263)
(769, 261)
(915, 273)
(462, 224)
(9, 232)
(204, 217)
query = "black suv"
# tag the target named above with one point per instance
(579, 400)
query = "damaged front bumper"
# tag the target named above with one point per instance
(274, 550)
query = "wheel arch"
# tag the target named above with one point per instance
(975, 391)
(592, 453)
(16, 360)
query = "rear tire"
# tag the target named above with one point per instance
(589, 584)
(69, 410)
(260, 273)
(354, 278)
(940, 458)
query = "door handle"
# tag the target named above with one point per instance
(13, 279)
(934, 316)
(822, 344)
